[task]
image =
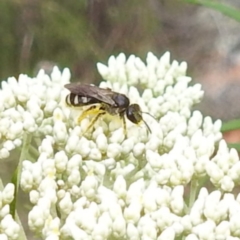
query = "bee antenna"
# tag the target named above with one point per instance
(147, 126)
(150, 115)
(146, 123)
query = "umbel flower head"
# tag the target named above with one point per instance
(174, 183)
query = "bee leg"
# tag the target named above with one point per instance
(124, 127)
(92, 110)
(95, 119)
(124, 124)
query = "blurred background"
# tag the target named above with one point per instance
(39, 34)
(77, 34)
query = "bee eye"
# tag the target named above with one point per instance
(134, 114)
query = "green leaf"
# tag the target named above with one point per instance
(231, 125)
(234, 145)
(220, 7)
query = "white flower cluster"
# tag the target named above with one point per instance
(9, 229)
(104, 185)
(26, 104)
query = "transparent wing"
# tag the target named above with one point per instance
(86, 90)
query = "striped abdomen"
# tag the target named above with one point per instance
(78, 101)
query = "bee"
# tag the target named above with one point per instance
(102, 101)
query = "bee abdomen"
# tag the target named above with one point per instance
(78, 100)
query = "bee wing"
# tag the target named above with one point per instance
(101, 94)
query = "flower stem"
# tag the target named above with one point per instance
(17, 173)
(193, 192)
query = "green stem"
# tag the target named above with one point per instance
(193, 192)
(17, 174)
(33, 152)
(1, 185)
(22, 235)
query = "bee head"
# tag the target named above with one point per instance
(134, 114)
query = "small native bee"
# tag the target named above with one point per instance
(102, 101)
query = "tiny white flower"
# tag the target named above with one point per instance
(8, 193)
(205, 230)
(72, 143)
(48, 168)
(74, 178)
(114, 150)
(223, 230)
(132, 232)
(132, 213)
(89, 186)
(177, 202)
(10, 227)
(127, 146)
(34, 108)
(9, 145)
(106, 220)
(235, 224)
(95, 154)
(227, 184)
(61, 160)
(214, 172)
(26, 180)
(60, 132)
(114, 208)
(120, 187)
(51, 106)
(138, 149)
(186, 223)
(100, 231)
(117, 136)
(147, 227)
(192, 237)
(109, 163)
(14, 131)
(65, 204)
(119, 226)
(167, 234)
(74, 163)
(102, 142)
(46, 146)
(61, 193)
(34, 196)
(86, 220)
(3, 236)
(29, 123)
(4, 211)
(83, 147)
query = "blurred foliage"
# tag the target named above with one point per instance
(220, 7)
(76, 34)
(8, 43)
(231, 125)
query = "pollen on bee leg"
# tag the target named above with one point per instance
(94, 120)
(90, 111)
